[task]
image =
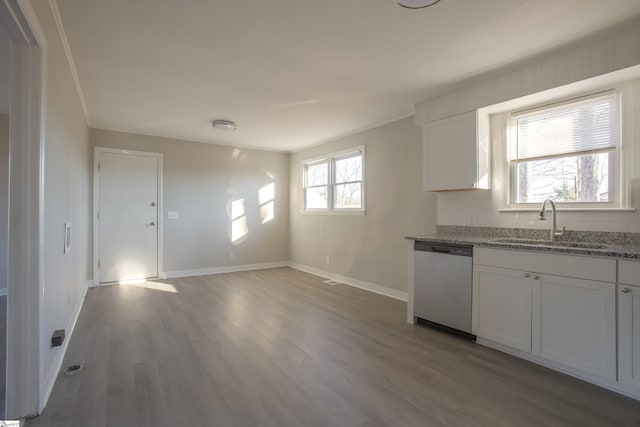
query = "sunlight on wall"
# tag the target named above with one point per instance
(237, 208)
(239, 227)
(266, 196)
(238, 155)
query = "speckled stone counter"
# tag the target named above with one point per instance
(606, 244)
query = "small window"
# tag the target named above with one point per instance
(566, 152)
(334, 183)
(316, 189)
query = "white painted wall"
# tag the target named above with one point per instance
(369, 248)
(200, 181)
(66, 199)
(5, 41)
(596, 56)
(4, 197)
(4, 152)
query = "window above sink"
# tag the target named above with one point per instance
(574, 145)
(566, 152)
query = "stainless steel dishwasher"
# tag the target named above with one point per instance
(443, 285)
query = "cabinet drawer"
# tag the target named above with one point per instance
(582, 267)
(629, 272)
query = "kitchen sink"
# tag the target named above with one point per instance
(565, 244)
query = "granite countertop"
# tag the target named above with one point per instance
(606, 244)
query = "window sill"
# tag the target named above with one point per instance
(352, 213)
(505, 210)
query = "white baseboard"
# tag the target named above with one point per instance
(367, 286)
(225, 269)
(52, 375)
(90, 283)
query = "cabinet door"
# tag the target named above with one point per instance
(573, 323)
(450, 151)
(629, 335)
(502, 306)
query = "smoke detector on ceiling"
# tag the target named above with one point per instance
(224, 125)
(416, 4)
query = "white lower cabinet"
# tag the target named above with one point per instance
(530, 302)
(574, 323)
(502, 306)
(629, 323)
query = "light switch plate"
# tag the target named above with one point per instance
(173, 215)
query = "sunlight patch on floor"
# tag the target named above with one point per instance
(149, 284)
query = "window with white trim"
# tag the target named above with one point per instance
(334, 183)
(566, 152)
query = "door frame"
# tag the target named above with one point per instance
(96, 205)
(25, 285)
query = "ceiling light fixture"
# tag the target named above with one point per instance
(416, 4)
(224, 125)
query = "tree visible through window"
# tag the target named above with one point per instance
(316, 185)
(565, 152)
(334, 182)
(348, 183)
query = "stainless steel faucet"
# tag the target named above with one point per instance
(543, 216)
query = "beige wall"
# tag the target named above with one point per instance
(369, 248)
(200, 180)
(66, 198)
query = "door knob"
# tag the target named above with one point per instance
(625, 290)
(152, 224)
(527, 275)
(153, 203)
(536, 277)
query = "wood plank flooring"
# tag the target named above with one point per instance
(280, 348)
(3, 353)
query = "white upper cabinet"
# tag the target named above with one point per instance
(456, 154)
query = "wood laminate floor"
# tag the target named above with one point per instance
(3, 352)
(279, 347)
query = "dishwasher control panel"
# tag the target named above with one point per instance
(459, 250)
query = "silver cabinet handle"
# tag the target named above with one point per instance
(536, 277)
(625, 290)
(526, 275)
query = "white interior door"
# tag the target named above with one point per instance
(128, 216)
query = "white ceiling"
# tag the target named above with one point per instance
(293, 73)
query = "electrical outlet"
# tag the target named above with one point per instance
(327, 260)
(173, 215)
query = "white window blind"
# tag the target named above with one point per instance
(587, 125)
